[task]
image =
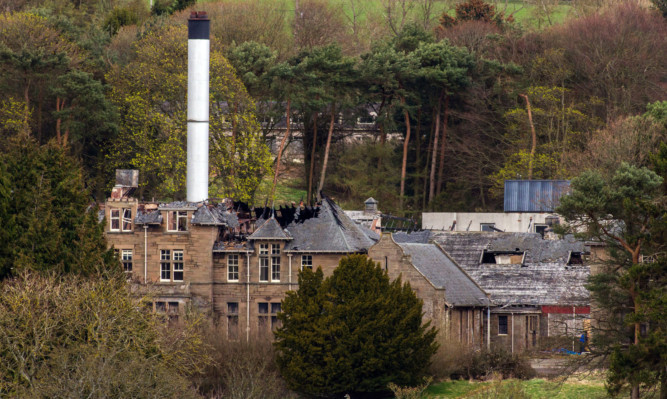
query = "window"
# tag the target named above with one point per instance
(165, 265)
(264, 268)
(233, 320)
(502, 325)
(262, 315)
(114, 216)
(169, 309)
(263, 249)
(232, 267)
(307, 262)
(487, 227)
(178, 265)
(126, 260)
(503, 257)
(171, 264)
(127, 219)
(177, 221)
(275, 308)
(275, 262)
(541, 229)
(116, 224)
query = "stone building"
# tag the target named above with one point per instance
(235, 262)
(537, 285)
(453, 302)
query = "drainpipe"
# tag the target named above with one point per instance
(574, 327)
(289, 258)
(512, 332)
(488, 326)
(145, 254)
(247, 290)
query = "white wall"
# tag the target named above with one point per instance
(520, 222)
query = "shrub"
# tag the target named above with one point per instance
(484, 364)
(410, 392)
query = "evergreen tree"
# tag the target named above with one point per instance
(355, 331)
(47, 219)
(627, 213)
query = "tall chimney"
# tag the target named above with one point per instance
(198, 81)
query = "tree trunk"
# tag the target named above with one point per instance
(534, 138)
(26, 98)
(634, 394)
(326, 154)
(406, 142)
(312, 160)
(58, 121)
(443, 139)
(434, 156)
(280, 151)
(428, 162)
(233, 152)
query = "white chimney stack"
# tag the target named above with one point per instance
(198, 103)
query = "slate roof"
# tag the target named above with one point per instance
(543, 279)
(330, 231)
(443, 272)
(416, 237)
(148, 217)
(217, 215)
(178, 205)
(269, 230)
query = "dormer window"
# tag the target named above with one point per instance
(575, 258)
(118, 223)
(177, 221)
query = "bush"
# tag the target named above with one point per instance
(240, 369)
(450, 360)
(410, 392)
(484, 364)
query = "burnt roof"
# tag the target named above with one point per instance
(269, 229)
(543, 279)
(327, 229)
(148, 217)
(215, 215)
(444, 273)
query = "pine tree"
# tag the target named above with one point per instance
(355, 331)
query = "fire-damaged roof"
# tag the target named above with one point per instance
(443, 272)
(269, 229)
(148, 217)
(215, 215)
(325, 228)
(542, 278)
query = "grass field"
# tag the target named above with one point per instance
(525, 13)
(534, 389)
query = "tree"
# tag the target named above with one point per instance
(49, 219)
(623, 212)
(150, 93)
(76, 337)
(354, 331)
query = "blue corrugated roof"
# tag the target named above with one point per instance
(534, 195)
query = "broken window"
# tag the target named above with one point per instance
(307, 262)
(575, 258)
(541, 229)
(232, 267)
(502, 325)
(177, 221)
(232, 320)
(127, 219)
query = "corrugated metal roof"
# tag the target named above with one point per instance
(534, 195)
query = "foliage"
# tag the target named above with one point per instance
(119, 17)
(78, 337)
(354, 331)
(545, 166)
(508, 365)
(50, 223)
(240, 369)
(474, 10)
(626, 212)
(150, 94)
(357, 174)
(410, 392)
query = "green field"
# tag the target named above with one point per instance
(528, 15)
(534, 389)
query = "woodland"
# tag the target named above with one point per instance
(464, 95)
